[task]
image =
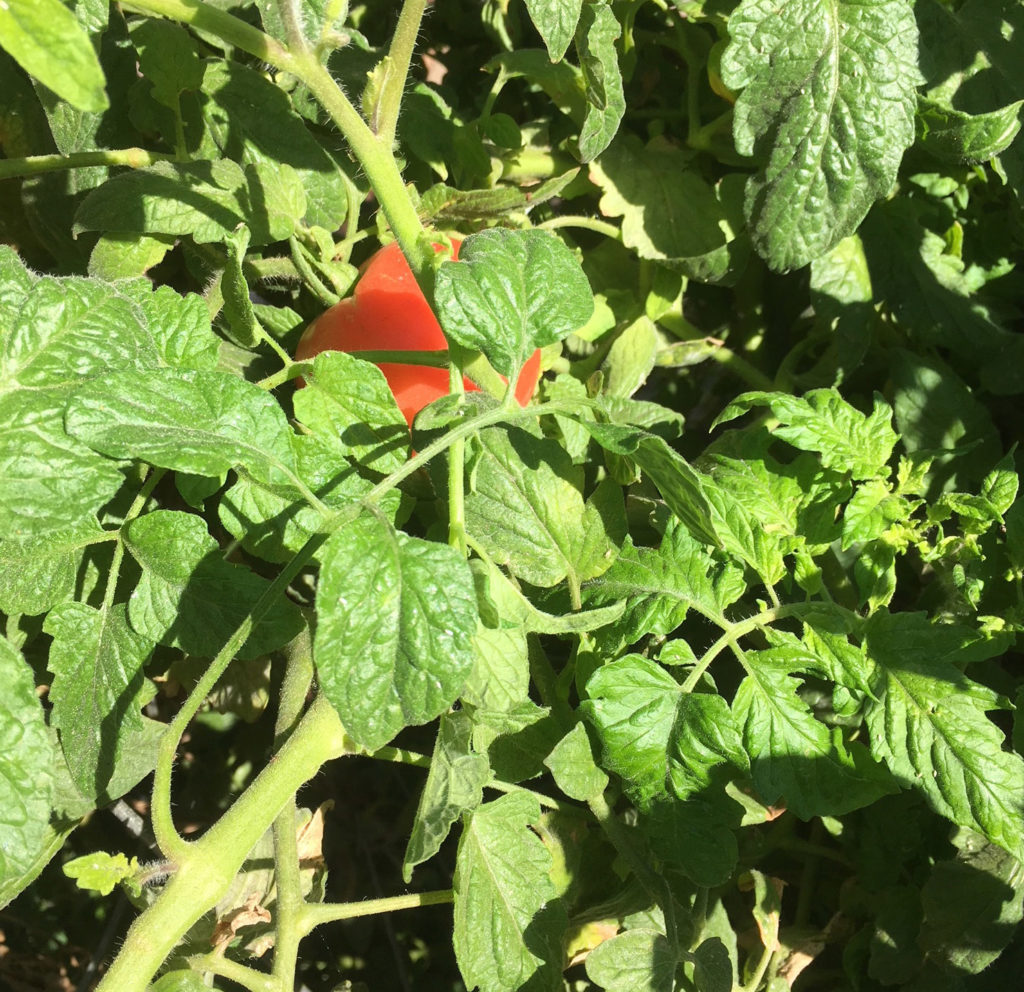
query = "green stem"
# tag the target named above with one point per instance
(240, 974)
(399, 59)
(432, 359)
(326, 296)
(133, 158)
(741, 367)
(546, 801)
(586, 223)
(225, 26)
(289, 901)
(759, 971)
(173, 846)
(729, 638)
(210, 864)
(463, 430)
(457, 474)
(314, 915)
(401, 756)
(138, 504)
(701, 138)
(382, 171)
(261, 333)
(292, 16)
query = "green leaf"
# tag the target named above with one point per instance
(508, 923)
(712, 968)
(168, 59)
(238, 311)
(252, 122)
(630, 359)
(634, 961)
(972, 906)
(743, 534)
(517, 739)
(454, 786)
(349, 401)
(925, 289)
(47, 41)
(396, 614)
(205, 423)
(201, 199)
(26, 785)
(966, 60)
(872, 511)
(894, 954)
(1000, 486)
(680, 485)
(39, 572)
(180, 325)
(954, 136)
(718, 930)
(60, 331)
(55, 835)
(562, 82)
(126, 256)
(99, 871)
(315, 20)
(938, 415)
(98, 693)
(930, 726)
(767, 908)
(274, 525)
(274, 202)
(596, 34)
(795, 502)
(190, 598)
(572, 764)
(843, 300)
(48, 481)
(500, 678)
(792, 754)
(828, 105)
(669, 212)
(556, 21)
(447, 203)
(822, 421)
(660, 586)
(510, 293)
(525, 509)
(657, 737)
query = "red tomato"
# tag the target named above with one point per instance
(387, 312)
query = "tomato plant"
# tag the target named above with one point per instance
(388, 312)
(700, 672)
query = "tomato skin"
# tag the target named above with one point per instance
(387, 312)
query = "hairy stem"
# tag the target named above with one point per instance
(399, 58)
(133, 158)
(316, 914)
(210, 864)
(171, 843)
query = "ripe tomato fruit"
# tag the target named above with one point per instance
(387, 312)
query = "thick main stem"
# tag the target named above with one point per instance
(211, 863)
